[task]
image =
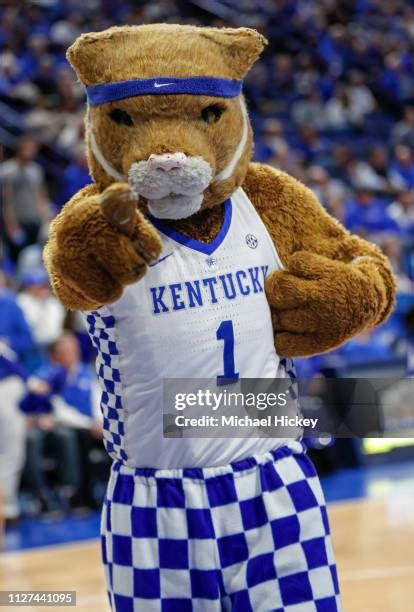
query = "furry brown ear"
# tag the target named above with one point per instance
(82, 55)
(241, 45)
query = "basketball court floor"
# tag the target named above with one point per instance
(372, 521)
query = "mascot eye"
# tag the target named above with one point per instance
(211, 114)
(121, 117)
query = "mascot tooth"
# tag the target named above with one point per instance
(191, 262)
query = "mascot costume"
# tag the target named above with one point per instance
(180, 247)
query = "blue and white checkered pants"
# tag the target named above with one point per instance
(251, 536)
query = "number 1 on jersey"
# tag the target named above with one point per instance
(225, 332)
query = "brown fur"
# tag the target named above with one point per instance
(322, 298)
(88, 260)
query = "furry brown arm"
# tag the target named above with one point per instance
(88, 259)
(335, 284)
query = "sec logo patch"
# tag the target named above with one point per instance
(251, 241)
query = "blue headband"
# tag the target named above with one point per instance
(199, 86)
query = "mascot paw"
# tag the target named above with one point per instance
(104, 243)
(317, 304)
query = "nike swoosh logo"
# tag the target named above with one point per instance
(162, 84)
(159, 260)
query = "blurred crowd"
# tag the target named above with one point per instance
(331, 101)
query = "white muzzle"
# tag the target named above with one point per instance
(173, 184)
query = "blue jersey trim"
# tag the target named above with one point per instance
(196, 245)
(198, 86)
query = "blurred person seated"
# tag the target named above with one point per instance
(395, 83)
(402, 211)
(392, 247)
(367, 211)
(401, 172)
(15, 331)
(322, 185)
(7, 268)
(71, 130)
(77, 405)
(25, 205)
(12, 435)
(66, 393)
(310, 145)
(336, 206)
(339, 113)
(287, 160)
(340, 164)
(310, 110)
(367, 347)
(44, 313)
(361, 98)
(42, 120)
(76, 174)
(16, 348)
(409, 326)
(47, 439)
(403, 131)
(271, 140)
(373, 172)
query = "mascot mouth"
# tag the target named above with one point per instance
(174, 206)
(172, 185)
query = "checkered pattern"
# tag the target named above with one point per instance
(289, 366)
(252, 536)
(101, 329)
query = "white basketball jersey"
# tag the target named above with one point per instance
(199, 312)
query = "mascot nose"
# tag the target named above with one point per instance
(166, 162)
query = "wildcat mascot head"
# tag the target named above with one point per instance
(166, 112)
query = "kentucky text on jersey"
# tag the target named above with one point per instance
(209, 290)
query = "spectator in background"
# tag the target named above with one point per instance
(362, 102)
(341, 112)
(336, 205)
(310, 111)
(322, 185)
(272, 140)
(66, 394)
(395, 84)
(310, 146)
(76, 174)
(78, 406)
(288, 161)
(16, 345)
(12, 435)
(392, 248)
(44, 313)
(42, 121)
(401, 210)
(372, 173)
(71, 132)
(367, 347)
(14, 329)
(341, 163)
(45, 437)
(402, 168)
(403, 131)
(65, 31)
(24, 201)
(367, 212)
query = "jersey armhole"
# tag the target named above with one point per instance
(272, 244)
